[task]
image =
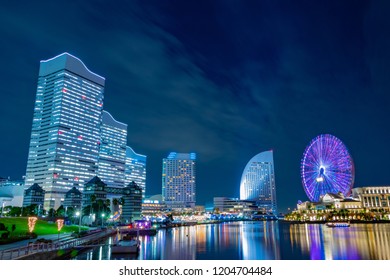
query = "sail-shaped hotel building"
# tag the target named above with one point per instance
(258, 182)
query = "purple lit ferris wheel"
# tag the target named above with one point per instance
(326, 167)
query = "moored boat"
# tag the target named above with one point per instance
(126, 247)
(338, 224)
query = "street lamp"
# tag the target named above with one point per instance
(2, 208)
(102, 218)
(78, 214)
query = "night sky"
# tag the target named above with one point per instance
(224, 79)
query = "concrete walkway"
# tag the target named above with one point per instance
(54, 237)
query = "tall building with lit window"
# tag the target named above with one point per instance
(112, 153)
(258, 182)
(179, 180)
(65, 136)
(135, 169)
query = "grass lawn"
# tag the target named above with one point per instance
(41, 227)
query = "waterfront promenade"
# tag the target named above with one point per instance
(29, 249)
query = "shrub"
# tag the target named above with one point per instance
(2, 227)
(4, 235)
(31, 235)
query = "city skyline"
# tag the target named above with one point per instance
(298, 70)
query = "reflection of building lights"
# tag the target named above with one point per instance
(31, 223)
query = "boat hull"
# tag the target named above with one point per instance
(125, 247)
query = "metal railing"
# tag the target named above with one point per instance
(34, 248)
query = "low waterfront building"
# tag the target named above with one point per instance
(34, 195)
(11, 192)
(373, 197)
(340, 202)
(153, 206)
(234, 205)
(132, 203)
(331, 201)
(94, 190)
(73, 198)
(363, 198)
(200, 208)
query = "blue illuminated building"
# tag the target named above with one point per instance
(258, 182)
(179, 180)
(112, 152)
(65, 135)
(135, 170)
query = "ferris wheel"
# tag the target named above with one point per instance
(326, 167)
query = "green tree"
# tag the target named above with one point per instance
(60, 211)
(70, 212)
(92, 199)
(30, 210)
(52, 213)
(115, 204)
(15, 211)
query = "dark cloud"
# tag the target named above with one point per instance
(225, 79)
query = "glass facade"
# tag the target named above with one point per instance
(112, 153)
(135, 169)
(179, 180)
(65, 136)
(258, 182)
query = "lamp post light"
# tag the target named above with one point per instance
(78, 214)
(2, 208)
(102, 218)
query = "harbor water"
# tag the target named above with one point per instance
(268, 240)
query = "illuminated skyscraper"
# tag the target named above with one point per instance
(65, 136)
(135, 169)
(258, 182)
(179, 180)
(112, 154)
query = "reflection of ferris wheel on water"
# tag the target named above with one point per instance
(326, 167)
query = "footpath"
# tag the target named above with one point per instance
(17, 244)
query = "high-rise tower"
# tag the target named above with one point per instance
(112, 153)
(65, 136)
(258, 182)
(179, 180)
(135, 169)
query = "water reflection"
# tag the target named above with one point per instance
(358, 242)
(258, 241)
